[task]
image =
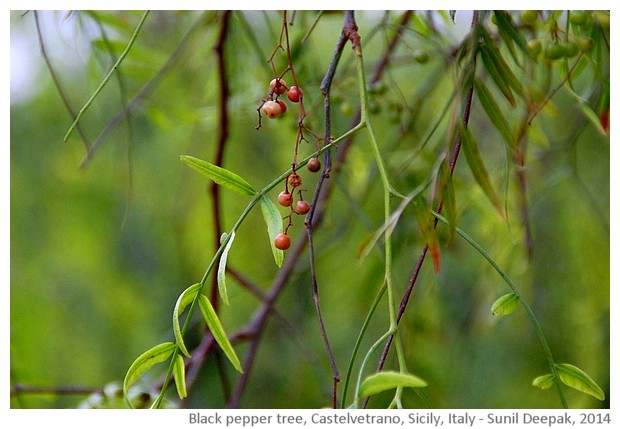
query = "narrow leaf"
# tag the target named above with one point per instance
(494, 113)
(593, 118)
(387, 380)
(449, 200)
(215, 326)
(577, 378)
(273, 219)
(505, 304)
(544, 382)
(500, 64)
(179, 376)
(183, 301)
(426, 224)
(219, 175)
(496, 75)
(221, 269)
(509, 32)
(472, 154)
(145, 361)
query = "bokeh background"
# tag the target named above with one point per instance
(101, 250)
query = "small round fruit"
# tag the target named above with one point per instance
(282, 106)
(584, 44)
(535, 46)
(272, 109)
(529, 17)
(421, 56)
(578, 17)
(285, 198)
(294, 94)
(554, 50)
(278, 86)
(346, 108)
(302, 207)
(294, 180)
(282, 241)
(314, 165)
(570, 49)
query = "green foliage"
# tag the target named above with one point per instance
(99, 253)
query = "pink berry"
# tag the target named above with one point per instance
(294, 94)
(272, 109)
(278, 86)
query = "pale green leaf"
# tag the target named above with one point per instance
(505, 304)
(387, 380)
(273, 219)
(145, 361)
(221, 269)
(476, 165)
(215, 326)
(592, 117)
(577, 378)
(178, 371)
(186, 297)
(220, 175)
(494, 113)
(544, 382)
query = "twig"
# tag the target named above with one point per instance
(107, 77)
(418, 266)
(56, 80)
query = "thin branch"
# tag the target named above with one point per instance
(57, 83)
(418, 266)
(107, 77)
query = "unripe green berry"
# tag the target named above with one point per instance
(421, 56)
(554, 50)
(529, 17)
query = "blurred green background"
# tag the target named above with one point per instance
(99, 254)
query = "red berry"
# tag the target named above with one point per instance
(282, 241)
(285, 198)
(282, 106)
(302, 207)
(278, 86)
(294, 94)
(314, 165)
(272, 109)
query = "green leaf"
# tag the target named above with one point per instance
(220, 175)
(508, 32)
(426, 223)
(221, 269)
(472, 154)
(505, 304)
(215, 326)
(183, 301)
(179, 376)
(577, 378)
(593, 118)
(145, 361)
(544, 382)
(449, 199)
(494, 113)
(273, 219)
(497, 76)
(387, 380)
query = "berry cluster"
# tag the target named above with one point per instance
(274, 106)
